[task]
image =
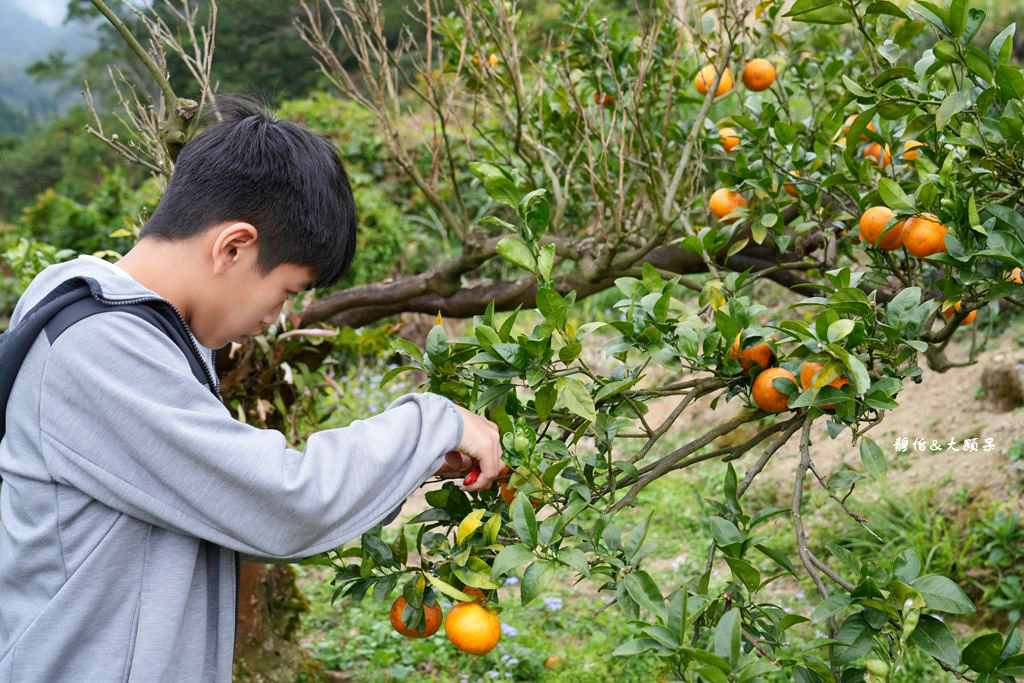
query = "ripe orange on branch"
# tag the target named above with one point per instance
(472, 628)
(910, 152)
(849, 122)
(766, 396)
(881, 155)
(956, 308)
(723, 201)
(924, 235)
(807, 372)
(706, 77)
(729, 138)
(1014, 276)
(432, 619)
(760, 354)
(788, 187)
(872, 223)
(758, 74)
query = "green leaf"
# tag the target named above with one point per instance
(885, 7)
(437, 345)
(830, 606)
(745, 572)
(942, 594)
(957, 17)
(954, 103)
(511, 557)
(893, 195)
(448, 589)
(906, 566)
(535, 211)
(469, 524)
(1004, 38)
(644, 591)
(1010, 81)
(577, 398)
(873, 458)
(636, 646)
(497, 183)
(635, 539)
(804, 6)
(535, 579)
(975, 18)
(546, 261)
(983, 653)
(727, 636)
(935, 638)
(524, 521)
(724, 531)
(517, 252)
(840, 329)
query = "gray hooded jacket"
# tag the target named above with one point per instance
(128, 488)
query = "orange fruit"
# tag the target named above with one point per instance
(909, 153)
(706, 77)
(872, 223)
(807, 372)
(758, 74)
(729, 138)
(472, 628)
(493, 59)
(766, 396)
(788, 187)
(552, 662)
(881, 156)
(432, 619)
(723, 201)
(508, 493)
(760, 354)
(1014, 276)
(849, 122)
(924, 235)
(604, 99)
(955, 308)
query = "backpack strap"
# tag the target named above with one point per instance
(69, 302)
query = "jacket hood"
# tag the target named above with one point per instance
(114, 282)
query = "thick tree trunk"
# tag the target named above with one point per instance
(270, 608)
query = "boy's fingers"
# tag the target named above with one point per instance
(490, 465)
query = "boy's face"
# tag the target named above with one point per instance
(242, 301)
(213, 282)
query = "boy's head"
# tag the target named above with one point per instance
(255, 209)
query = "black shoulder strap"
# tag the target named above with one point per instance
(69, 302)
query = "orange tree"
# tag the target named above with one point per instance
(900, 142)
(570, 153)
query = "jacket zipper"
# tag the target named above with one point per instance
(211, 376)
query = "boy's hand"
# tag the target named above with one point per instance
(480, 446)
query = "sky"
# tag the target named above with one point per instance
(50, 12)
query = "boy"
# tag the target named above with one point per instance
(129, 492)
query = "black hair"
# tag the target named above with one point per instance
(286, 180)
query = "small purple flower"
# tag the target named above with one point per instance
(509, 630)
(511, 581)
(493, 674)
(463, 678)
(445, 604)
(553, 604)
(799, 596)
(512, 662)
